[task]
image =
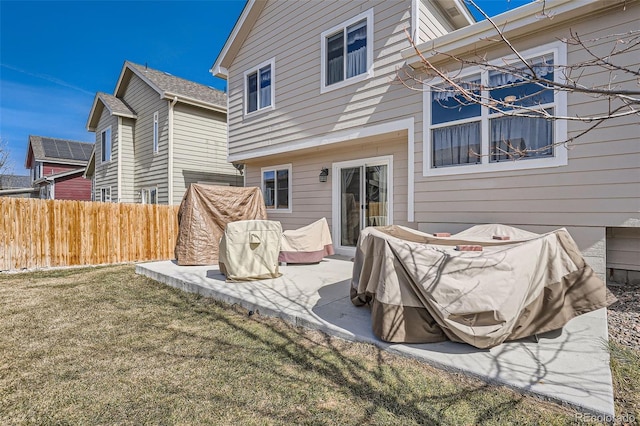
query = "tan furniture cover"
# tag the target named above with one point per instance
(309, 244)
(203, 215)
(421, 289)
(249, 250)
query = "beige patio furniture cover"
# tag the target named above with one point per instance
(309, 244)
(203, 215)
(421, 289)
(249, 250)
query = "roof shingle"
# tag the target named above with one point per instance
(53, 149)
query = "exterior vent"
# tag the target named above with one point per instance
(453, 12)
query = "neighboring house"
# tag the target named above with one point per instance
(156, 135)
(16, 186)
(320, 120)
(57, 167)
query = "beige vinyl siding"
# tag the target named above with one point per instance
(150, 168)
(311, 199)
(600, 186)
(128, 163)
(301, 112)
(431, 21)
(200, 149)
(623, 248)
(106, 174)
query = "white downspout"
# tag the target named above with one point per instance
(170, 151)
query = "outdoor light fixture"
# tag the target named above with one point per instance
(323, 174)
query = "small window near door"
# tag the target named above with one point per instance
(276, 187)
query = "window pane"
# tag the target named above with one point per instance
(269, 188)
(517, 88)
(283, 189)
(510, 136)
(265, 86)
(153, 196)
(456, 145)
(448, 105)
(106, 145)
(335, 58)
(357, 49)
(252, 92)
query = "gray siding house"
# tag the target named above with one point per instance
(323, 124)
(155, 136)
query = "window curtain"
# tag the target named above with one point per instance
(252, 92)
(335, 59)
(357, 49)
(543, 66)
(453, 145)
(265, 87)
(511, 133)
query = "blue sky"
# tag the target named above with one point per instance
(55, 55)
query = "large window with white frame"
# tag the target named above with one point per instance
(259, 87)
(155, 132)
(276, 187)
(463, 136)
(105, 144)
(347, 52)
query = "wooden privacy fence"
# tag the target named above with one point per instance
(44, 233)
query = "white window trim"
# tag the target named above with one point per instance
(110, 146)
(560, 158)
(323, 52)
(98, 194)
(256, 69)
(145, 199)
(156, 133)
(275, 169)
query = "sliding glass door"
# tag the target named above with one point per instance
(363, 198)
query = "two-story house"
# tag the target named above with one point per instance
(155, 136)
(57, 166)
(320, 118)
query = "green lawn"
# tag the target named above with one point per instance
(106, 346)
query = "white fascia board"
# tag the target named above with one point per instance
(184, 99)
(527, 15)
(217, 65)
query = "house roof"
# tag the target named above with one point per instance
(14, 181)
(253, 8)
(52, 178)
(54, 150)
(115, 106)
(172, 87)
(516, 22)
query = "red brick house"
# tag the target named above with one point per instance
(56, 167)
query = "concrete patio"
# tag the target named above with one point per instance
(570, 366)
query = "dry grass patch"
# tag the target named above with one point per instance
(106, 346)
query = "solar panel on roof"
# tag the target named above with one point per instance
(64, 151)
(49, 146)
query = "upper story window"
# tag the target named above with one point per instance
(347, 52)
(462, 136)
(276, 187)
(105, 144)
(37, 170)
(259, 87)
(155, 132)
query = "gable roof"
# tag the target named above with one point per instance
(253, 8)
(172, 87)
(114, 105)
(55, 150)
